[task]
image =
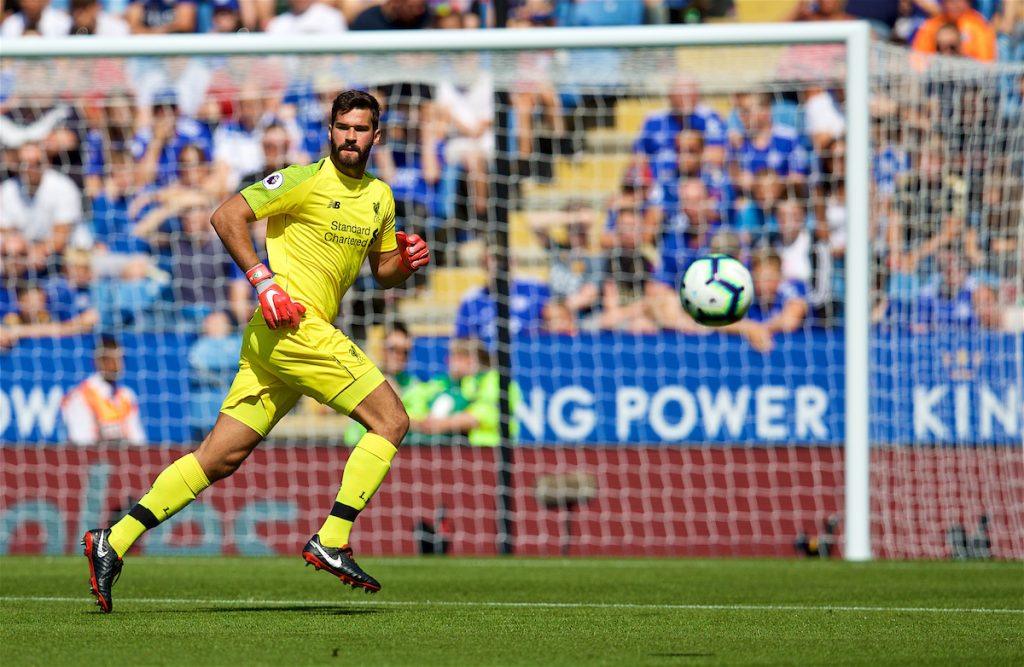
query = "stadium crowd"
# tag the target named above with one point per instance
(105, 199)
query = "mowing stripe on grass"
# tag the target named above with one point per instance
(541, 605)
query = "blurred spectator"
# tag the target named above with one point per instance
(276, 145)
(823, 119)
(1008, 21)
(907, 16)
(88, 18)
(695, 161)
(100, 410)
(586, 13)
(212, 358)
(947, 40)
(30, 306)
(688, 234)
(39, 210)
(628, 279)
(196, 182)
(118, 294)
(161, 17)
(977, 38)
(397, 347)
(353, 8)
(684, 11)
(575, 272)
(765, 144)
(890, 17)
(307, 17)
(236, 143)
(36, 17)
(34, 316)
(779, 305)
(821, 10)
(793, 243)
(534, 92)
(890, 164)
(112, 224)
(467, 113)
(638, 192)
(953, 300)
(466, 400)
(657, 145)
(226, 17)
(559, 318)
(992, 240)
(415, 393)
(927, 212)
(255, 14)
(477, 313)
(756, 219)
(303, 105)
(457, 15)
(687, 231)
(393, 15)
(830, 232)
(410, 161)
(157, 147)
(109, 123)
(202, 273)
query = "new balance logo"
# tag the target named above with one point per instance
(334, 204)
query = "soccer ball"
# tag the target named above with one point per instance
(717, 290)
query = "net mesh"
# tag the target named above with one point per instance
(636, 431)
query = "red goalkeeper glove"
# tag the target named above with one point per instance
(413, 251)
(277, 307)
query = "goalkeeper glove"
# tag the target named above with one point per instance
(413, 251)
(277, 307)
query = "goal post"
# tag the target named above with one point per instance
(854, 35)
(599, 447)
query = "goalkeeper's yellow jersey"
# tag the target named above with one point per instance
(322, 226)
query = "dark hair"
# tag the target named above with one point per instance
(23, 286)
(398, 327)
(355, 99)
(107, 342)
(789, 198)
(471, 347)
(763, 256)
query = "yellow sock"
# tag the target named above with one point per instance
(174, 488)
(366, 468)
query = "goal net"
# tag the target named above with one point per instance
(563, 193)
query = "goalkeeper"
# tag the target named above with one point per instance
(325, 219)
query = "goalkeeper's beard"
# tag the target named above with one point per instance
(354, 160)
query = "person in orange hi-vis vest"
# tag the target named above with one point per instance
(977, 36)
(98, 409)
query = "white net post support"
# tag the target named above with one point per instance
(858, 317)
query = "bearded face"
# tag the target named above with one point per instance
(352, 137)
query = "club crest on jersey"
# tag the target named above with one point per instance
(376, 212)
(273, 181)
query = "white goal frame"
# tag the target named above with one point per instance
(855, 35)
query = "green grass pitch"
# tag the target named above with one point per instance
(516, 611)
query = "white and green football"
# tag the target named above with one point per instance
(717, 290)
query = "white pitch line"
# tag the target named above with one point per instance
(520, 605)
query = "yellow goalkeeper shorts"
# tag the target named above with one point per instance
(279, 365)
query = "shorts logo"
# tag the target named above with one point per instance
(273, 181)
